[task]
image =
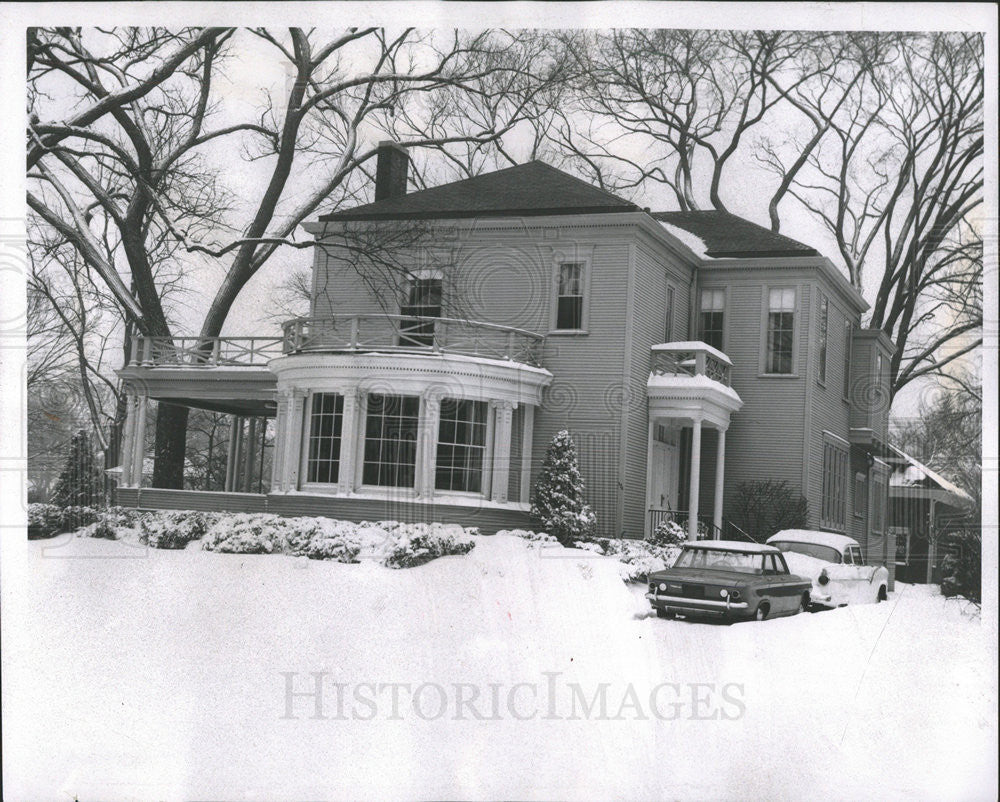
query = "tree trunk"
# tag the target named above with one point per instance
(171, 440)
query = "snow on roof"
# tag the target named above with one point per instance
(731, 545)
(815, 537)
(683, 381)
(916, 474)
(693, 242)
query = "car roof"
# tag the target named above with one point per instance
(731, 545)
(815, 537)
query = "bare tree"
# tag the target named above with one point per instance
(135, 161)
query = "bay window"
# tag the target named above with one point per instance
(325, 425)
(461, 446)
(391, 426)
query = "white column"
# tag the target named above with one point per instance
(139, 447)
(527, 440)
(429, 434)
(694, 479)
(648, 523)
(251, 452)
(348, 442)
(293, 446)
(720, 475)
(128, 440)
(278, 456)
(501, 450)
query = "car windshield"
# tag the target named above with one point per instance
(826, 553)
(741, 561)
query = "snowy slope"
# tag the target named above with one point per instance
(158, 675)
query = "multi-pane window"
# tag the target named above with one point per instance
(848, 330)
(780, 330)
(325, 425)
(834, 486)
(391, 440)
(569, 299)
(668, 325)
(423, 299)
(824, 323)
(461, 446)
(711, 314)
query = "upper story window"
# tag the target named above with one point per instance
(780, 330)
(391, 440)
(860, 494)
(569, 296)
(711, 317)
(461, 446)
(824, 325)
(423, 299)
(326, 421)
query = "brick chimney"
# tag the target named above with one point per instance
(390, 171)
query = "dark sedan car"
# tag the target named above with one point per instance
(728, 579)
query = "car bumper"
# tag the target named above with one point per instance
(682, 604)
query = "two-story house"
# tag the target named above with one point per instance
(455, 330)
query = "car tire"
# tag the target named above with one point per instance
(761, 612)
(803, 604)
(661, 613)
(882, 594)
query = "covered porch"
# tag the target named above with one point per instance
(688, 391)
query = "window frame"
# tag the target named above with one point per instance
(580, 255)
(862, 479)
(363, 461)
(766, 331)
(668, 317)
(422, 337)
(311, 438)
(722, 330)
(848, 357)
(482, 426)
(833, 494)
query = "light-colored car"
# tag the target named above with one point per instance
(836, 566)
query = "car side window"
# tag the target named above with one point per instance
(769, 567)
(857, 556)
(782, 566)
(848, 558)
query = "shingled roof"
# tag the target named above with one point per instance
(727, 236)
(534, 188)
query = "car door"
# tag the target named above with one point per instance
(856, 575)
(784, 595)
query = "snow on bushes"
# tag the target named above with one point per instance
(532, 537)
(559, 501)
(174, 529)
(416, 544)
(668, 533)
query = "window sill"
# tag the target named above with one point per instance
(821, 383)
(567, 333)
(777, 375)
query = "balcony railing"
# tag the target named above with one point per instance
(205, 352)
(691, 359)
(412, 334)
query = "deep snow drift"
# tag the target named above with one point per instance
(150, 674)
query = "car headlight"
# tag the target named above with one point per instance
(823, 578)
(723, 593)
(734, 594)
(663, 587)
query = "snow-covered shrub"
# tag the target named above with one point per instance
(112, 523)
(532, 537)
(73, 518)
(174, 529)
(961, 567)
(638, 558)
(44, 520)
(416, 544)
(668, 533)
(323, 539)
(247, 533)
(558, 502)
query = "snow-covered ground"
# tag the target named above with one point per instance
(163, 675)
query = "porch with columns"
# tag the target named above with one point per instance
(688, 388)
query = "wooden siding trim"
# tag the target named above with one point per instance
(623, 413)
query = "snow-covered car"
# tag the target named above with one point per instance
(728, 579)
(836, 566)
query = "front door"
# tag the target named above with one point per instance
(664, 473)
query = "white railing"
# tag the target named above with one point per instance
(412, 334)
(691, 359)
(204, 352)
